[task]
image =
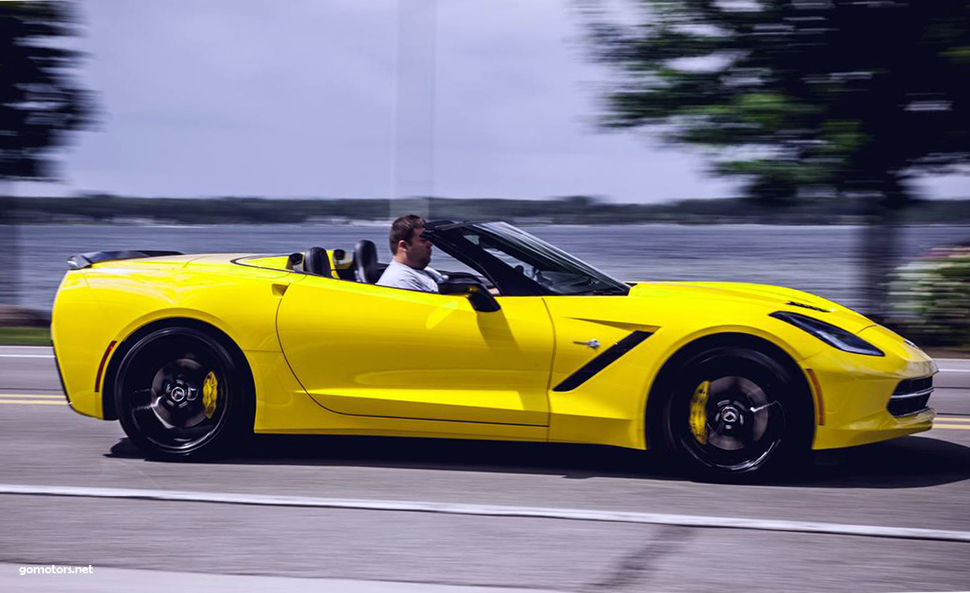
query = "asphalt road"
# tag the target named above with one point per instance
(231, 545)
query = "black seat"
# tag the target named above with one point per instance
(314, 261)
(365, 262)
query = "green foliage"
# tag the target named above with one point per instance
(25, 336)
(931, 298)
(40, 102)
(837, 96)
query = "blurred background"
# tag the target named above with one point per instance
(817, 144)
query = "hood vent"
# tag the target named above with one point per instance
(813, 308)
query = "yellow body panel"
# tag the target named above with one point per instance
(335, 356)
(109, 302)
(404, 354)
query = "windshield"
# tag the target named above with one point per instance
(550, 267)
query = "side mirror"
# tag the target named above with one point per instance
(481, 300)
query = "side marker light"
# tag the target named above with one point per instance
(104, 359)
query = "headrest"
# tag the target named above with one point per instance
(314, 261)
(365, 262)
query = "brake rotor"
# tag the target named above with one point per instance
(175, 394)
(742, 414)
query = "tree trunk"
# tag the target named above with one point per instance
(881, 246)
(9, 249)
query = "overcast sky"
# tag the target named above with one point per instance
(300, 98)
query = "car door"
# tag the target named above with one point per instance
(369, 350)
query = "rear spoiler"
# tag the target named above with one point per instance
(86, 260)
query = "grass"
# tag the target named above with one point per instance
(25, 336)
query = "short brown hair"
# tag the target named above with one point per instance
(402, 229)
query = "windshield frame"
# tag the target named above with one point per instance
(452, 238)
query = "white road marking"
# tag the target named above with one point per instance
(24, 348)
(26, 352)
(493, 511)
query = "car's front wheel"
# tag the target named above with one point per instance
(733, 411)
(180, 394)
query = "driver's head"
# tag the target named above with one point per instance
(407, 244)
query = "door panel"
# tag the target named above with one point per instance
(376, 351)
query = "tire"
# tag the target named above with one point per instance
(734, 413)
(182, 394)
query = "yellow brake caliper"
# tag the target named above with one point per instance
(210, 389)
(698, 412)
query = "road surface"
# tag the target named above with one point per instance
(373, 515)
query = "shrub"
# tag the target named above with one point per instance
(930, 297)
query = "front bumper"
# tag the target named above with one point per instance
(855, 392)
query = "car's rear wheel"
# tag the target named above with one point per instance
(735, 412)
(181, 393)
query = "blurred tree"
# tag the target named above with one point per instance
(849, 98)
(40, 104)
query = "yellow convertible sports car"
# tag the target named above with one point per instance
(192, 353)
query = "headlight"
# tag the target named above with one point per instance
(830, 334)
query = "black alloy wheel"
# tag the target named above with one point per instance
(181, 394)
(735, 412)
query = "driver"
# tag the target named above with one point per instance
(412, 254)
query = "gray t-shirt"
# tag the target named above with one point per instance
(398, 275)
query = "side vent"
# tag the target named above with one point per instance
(606, 358)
